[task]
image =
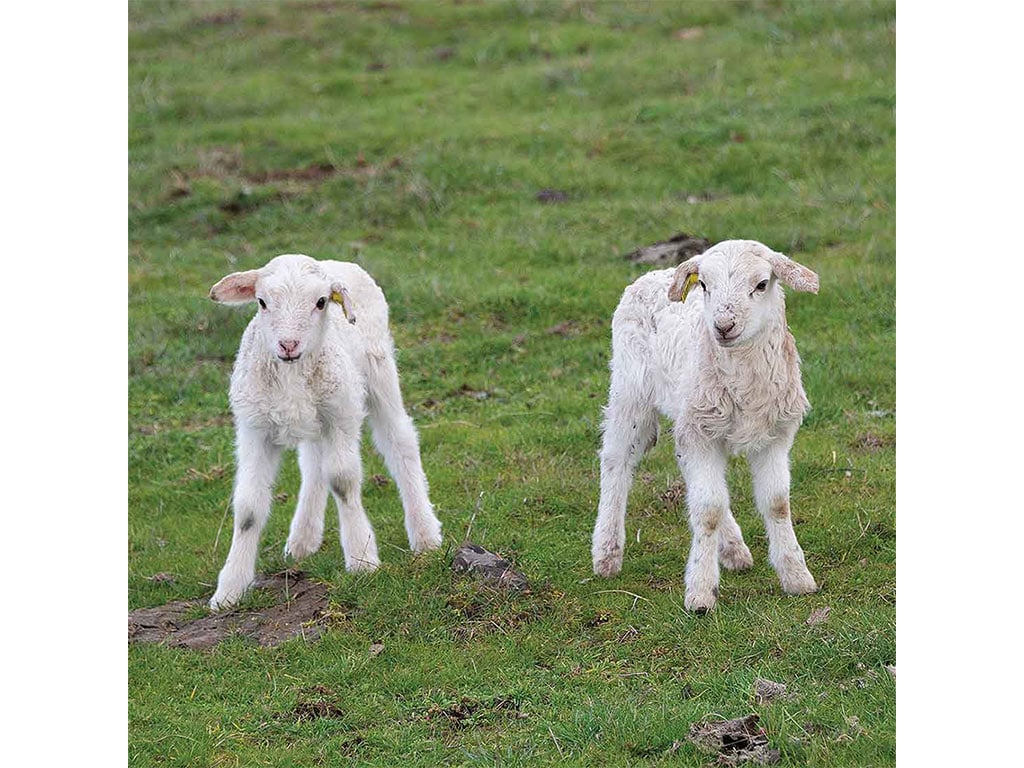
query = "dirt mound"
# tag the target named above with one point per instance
(736, 741)
(669, 253)
(297, 611)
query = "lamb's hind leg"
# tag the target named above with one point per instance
(396, 439)
(733, 553)
(770, 471)
(344, 474)
(630, 430)
(307, 529)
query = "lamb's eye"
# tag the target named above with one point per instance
(322, 302)
(703, 287)
(263, 304)
(761, 286)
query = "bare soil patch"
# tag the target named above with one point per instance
(736, 741)
(298, 611)
(468, 713)
(317, 703)
(669, 253)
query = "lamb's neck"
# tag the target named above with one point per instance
(767, 358)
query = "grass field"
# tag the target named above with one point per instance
(490, 164)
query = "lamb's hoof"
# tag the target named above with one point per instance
(427, 538)
(608, 564)
(227, 596)
(362, 565)
(736, 556)
(302, 547)
(798, 583)
(700, 602)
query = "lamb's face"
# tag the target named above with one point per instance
(740, 294)
(293, 298)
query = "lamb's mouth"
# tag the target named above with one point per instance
(726, 341)
(289, 359)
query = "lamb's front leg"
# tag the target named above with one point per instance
(770, 471)
(307, 529)
(258, 460)
(344, 473)
(707, 498)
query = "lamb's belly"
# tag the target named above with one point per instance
(748, 433)
(744, 442)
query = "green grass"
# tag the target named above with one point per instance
(443, 122)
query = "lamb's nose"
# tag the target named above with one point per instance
(288, 347)
(724, 326)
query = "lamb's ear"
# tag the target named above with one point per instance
(236, 288)
(796, 276)
(685, 278)
(340, 295)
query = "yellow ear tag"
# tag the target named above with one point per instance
(691, 280)
(338, 298)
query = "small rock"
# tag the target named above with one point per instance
(474, 558)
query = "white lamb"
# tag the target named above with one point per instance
(316, 359)
(723, 366)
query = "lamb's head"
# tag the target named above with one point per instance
(294, 295)
(739, 280)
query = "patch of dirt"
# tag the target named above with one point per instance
(872, 442)
(475, 559)
(662, 583)
(599, 618)
(224, 164)
(312, 172)
(298, 611)
(735, 741)
(244, 201)
(767, 691)
(316, 703)
(674, 495)
(818, 616)
(566, 329)
(669, 253)
(467, 713)
(552, 196)
(465, 390)
(218, 19)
